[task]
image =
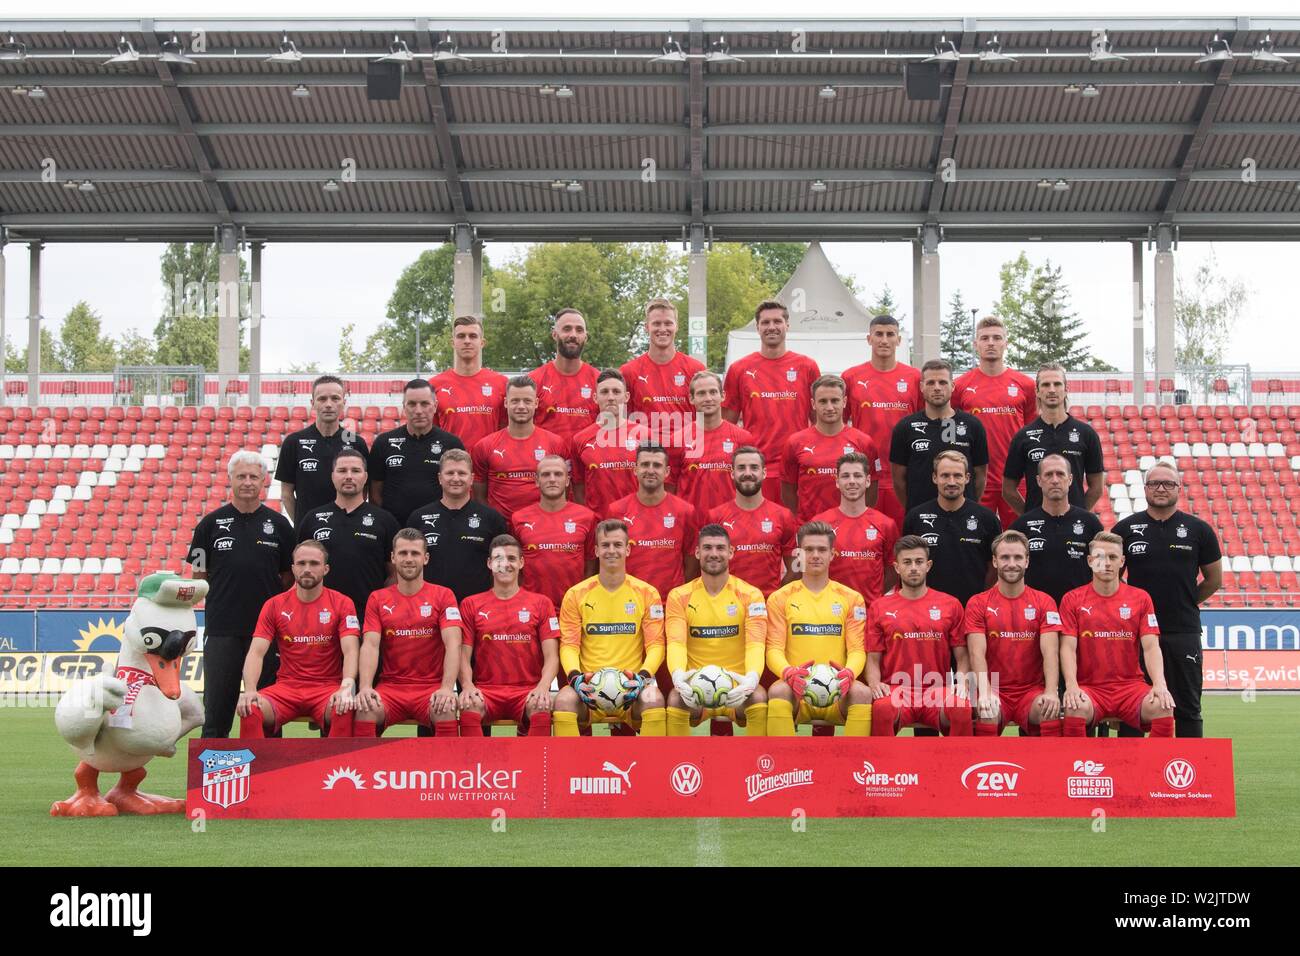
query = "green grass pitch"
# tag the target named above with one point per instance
(36, 769)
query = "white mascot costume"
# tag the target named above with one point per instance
(118, 723)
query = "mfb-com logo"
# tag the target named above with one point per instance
(880, 784)
(1087, 782)
(227, 776)
(993, 778)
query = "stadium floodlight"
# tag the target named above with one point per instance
(564, 93)
(331, 186)
(720, 52)
(1103, 51)
(125, 54)
(36, 93)
(86, 186)
(19, 90)
(398, 52)
(1044, 184)
(1264, 52)
(301, 90)
(288, 52)
(558, 185)
(673, 52)
(945, 52)
(1090, 89)
(818, 186)
(573, 186)
(1070, 88)
(70, 184)
(174, 52)
(446, 52)
(12, 49)
(992, 52)
(1061, 186)
(828, 92)
(1216, 51)
(546, 89)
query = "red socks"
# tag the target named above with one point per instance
(341, 725)
(1162, 727)
(883, 715)
(471, 723)
(363, 728)
(723, 728)
(539, 724)
(1050, 728)
(445, 728)
(984, 729)
(251, 726)
(1075, 727)
(959, 721)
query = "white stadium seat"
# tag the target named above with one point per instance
(1200, 449)
(1122, 504)
(31, 522)
(1237, 449)
(6, 537)
(137, 451)
(71, 566)
(10, 565)
(1135, 489)
(113, 464)
(1295, 563)
(112, 566)
(50, 566)
(1146, 461)
(63, 492)
(1132, 477)
(31, 566)
(270, 452)
(43, 451)
(80, 451)
(62, 451)
(89, 478)
(23, 451)
(1295, 462)
(1220, 450)
(6, 452)
(108, 479)
(1281, 563)
(82, 493)
(92, 566)
(1275, 449)
(37, 506)
(157, 451)
(1257, 449)
(1259, 564)
(118, 451)
(1139, 504)
(1181, 450)
(1118, 491)
(11, 522)
(132, 464)
(57, 508)
(99, 451)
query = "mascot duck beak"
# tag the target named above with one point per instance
(165, 659)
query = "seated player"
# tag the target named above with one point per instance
(1104, 625)
(716, 619)
(611, 620)
(912, 634)
(817, 621)
(1012, 635)
(315, 630)
(415, 627)
(511, 655)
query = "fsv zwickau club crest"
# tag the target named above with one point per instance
(226, 776)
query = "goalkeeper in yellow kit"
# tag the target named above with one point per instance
(611, 620)
(816, 621)
(716, 619)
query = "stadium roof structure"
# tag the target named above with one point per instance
(1052, 128)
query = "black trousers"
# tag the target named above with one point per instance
(1183, 675)
(223, 668)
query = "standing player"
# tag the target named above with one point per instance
(702, 468)
(662, 527)
(958, 531)
(611, 620)
(471, 398)
(1003, 400)
(864, 537)
(762, 531)
(505, 462)
(1108, 629)
(604, 453)
(658, 380)
(566, 385)
(358, 534)
(918, 438)
(1058, 533)
(1012, 635)
(912, 634)
(558, 535)
(404, 462)
(416, 628)
(716, 619)
(316, 632)
(881, 391)
(1054, 432)
(1174, 557)
(768, 390)
(815, 620)
(808, 473)
(458, 531)
(511, 650)
(307, 456)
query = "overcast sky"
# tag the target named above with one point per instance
(310, 291)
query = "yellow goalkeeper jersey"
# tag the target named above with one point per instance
(728, 629)
(822, 626)
(623, 628)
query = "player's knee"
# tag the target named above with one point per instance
(675, 700)
(780, 690)
(759, 696)
(650, 696)
(567, 700)
(478, 707)
(859, 693)
(374, 716)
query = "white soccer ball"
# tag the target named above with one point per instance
(822, 687)
(607, 689)
(711, 684)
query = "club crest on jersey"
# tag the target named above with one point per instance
(325, 617)
(570, 527)
(901, 385)
(935, 614)
(972, 523)
(524, 615)
(487, 389)
(837, 608)
(539, 453)
(368, 520)
(1078, 527)
(872, 534)
(1074, 435)
(268, 528)
(630, 607)
(586, 391)
(670, 520)
(961, 428)
(1181, 532)
(426, 610)
(1031, 613)
(767, 526)
(474, 521)
(849, 449)
(731, 610)
(1125, 612)
(679, 379)
(728, 446)
(791, 375)
(436, 448)
(630, 444)
(1013, 390)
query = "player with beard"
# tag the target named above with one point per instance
(566, 385)
(405, 461)
(1058, 533)
(762, 531)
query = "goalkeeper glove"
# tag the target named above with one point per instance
(682, 684)
(744, 686)
(581, 684)
(845, 678)
(634, 683)
(797, 677)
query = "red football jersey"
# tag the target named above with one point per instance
(509, 466)
(773, 397)
(505, 636)
(877, 400)
(308, 636)
(809, 465)
(652, 387)
(863, 547)
(1109, 631)
(1011, 627)
(762, 539)
(410, 632)
(1004, 404)
(702, 466)
(914, 636)
(565, 403)
(604, 463)
(557, 546)
(662, 536)
(470, 406)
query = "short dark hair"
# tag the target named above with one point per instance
(466, 320)
(714, 530)
(815, 528)
(350, 452)
(748, 450)
(934, 364)
(521, 381)
(328, 380)
(1069, 466)
(911, 542)
(410, 534)
(608, 373)
(884, 318)
(313, 543)
(771, 304)
(505, 541)
(829, 381)
(417, 383)
(609, 526)
(853, 458)
(650, 448)
(569, 311)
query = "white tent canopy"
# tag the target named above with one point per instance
(827, 322)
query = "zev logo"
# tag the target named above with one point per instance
(991, 782)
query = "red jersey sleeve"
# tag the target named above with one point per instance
(731, 390)
(266, 629)
(692, 534)
(466, 622)
(889, 531)
(956, 633)
(1069, 625)
(789, 541)
(790, 462)
(548, 626)
(451, 616)
(346, 611)
(1150, 625)
(371, 623)
(1051, 617)
(1029, 401)
(973, 622)
(875, 636)
(479, 459)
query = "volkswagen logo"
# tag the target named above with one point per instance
(686, 779)
(1180, 774)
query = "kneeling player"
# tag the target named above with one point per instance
(911, 636)
(818, 621)
(1103, 626)
(511, 656)
(1012, 635)
(415, 627)
(611, 620)
(315, 630)
(720, 620)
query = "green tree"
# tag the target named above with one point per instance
(956, 344)
(82, 346)
(16, 358)
(423, 298)
(737, 283)
(1206, 309)
(779, 260)
(1049, 331)
(365, 359)
(135, 349)
(187, 331)
(1013, 305)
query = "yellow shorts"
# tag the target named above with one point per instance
(830, 714)
(621, 716)
(709, 713)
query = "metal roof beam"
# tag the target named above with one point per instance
(943, 150)
(695, 122)
(1191, 151)
(436, 100)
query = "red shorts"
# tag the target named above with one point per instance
(291, 699)
(406, 702)
(505, 701)
(887, 503)
(1015, 705)
(1119, 699)
(922, 705)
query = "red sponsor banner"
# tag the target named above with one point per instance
(715, 777)
(1258, 670)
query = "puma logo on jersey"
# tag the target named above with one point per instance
(483, 614)
(809, 449)
(499, 451)
(752, 373)
(547, 388)
(643, 378)
(447, 390)
(287, 615)
(1085, 609)
(729, 524)
(526, 524)
(991, 610)
(970, 388)
(388, 608)
(893, 614)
